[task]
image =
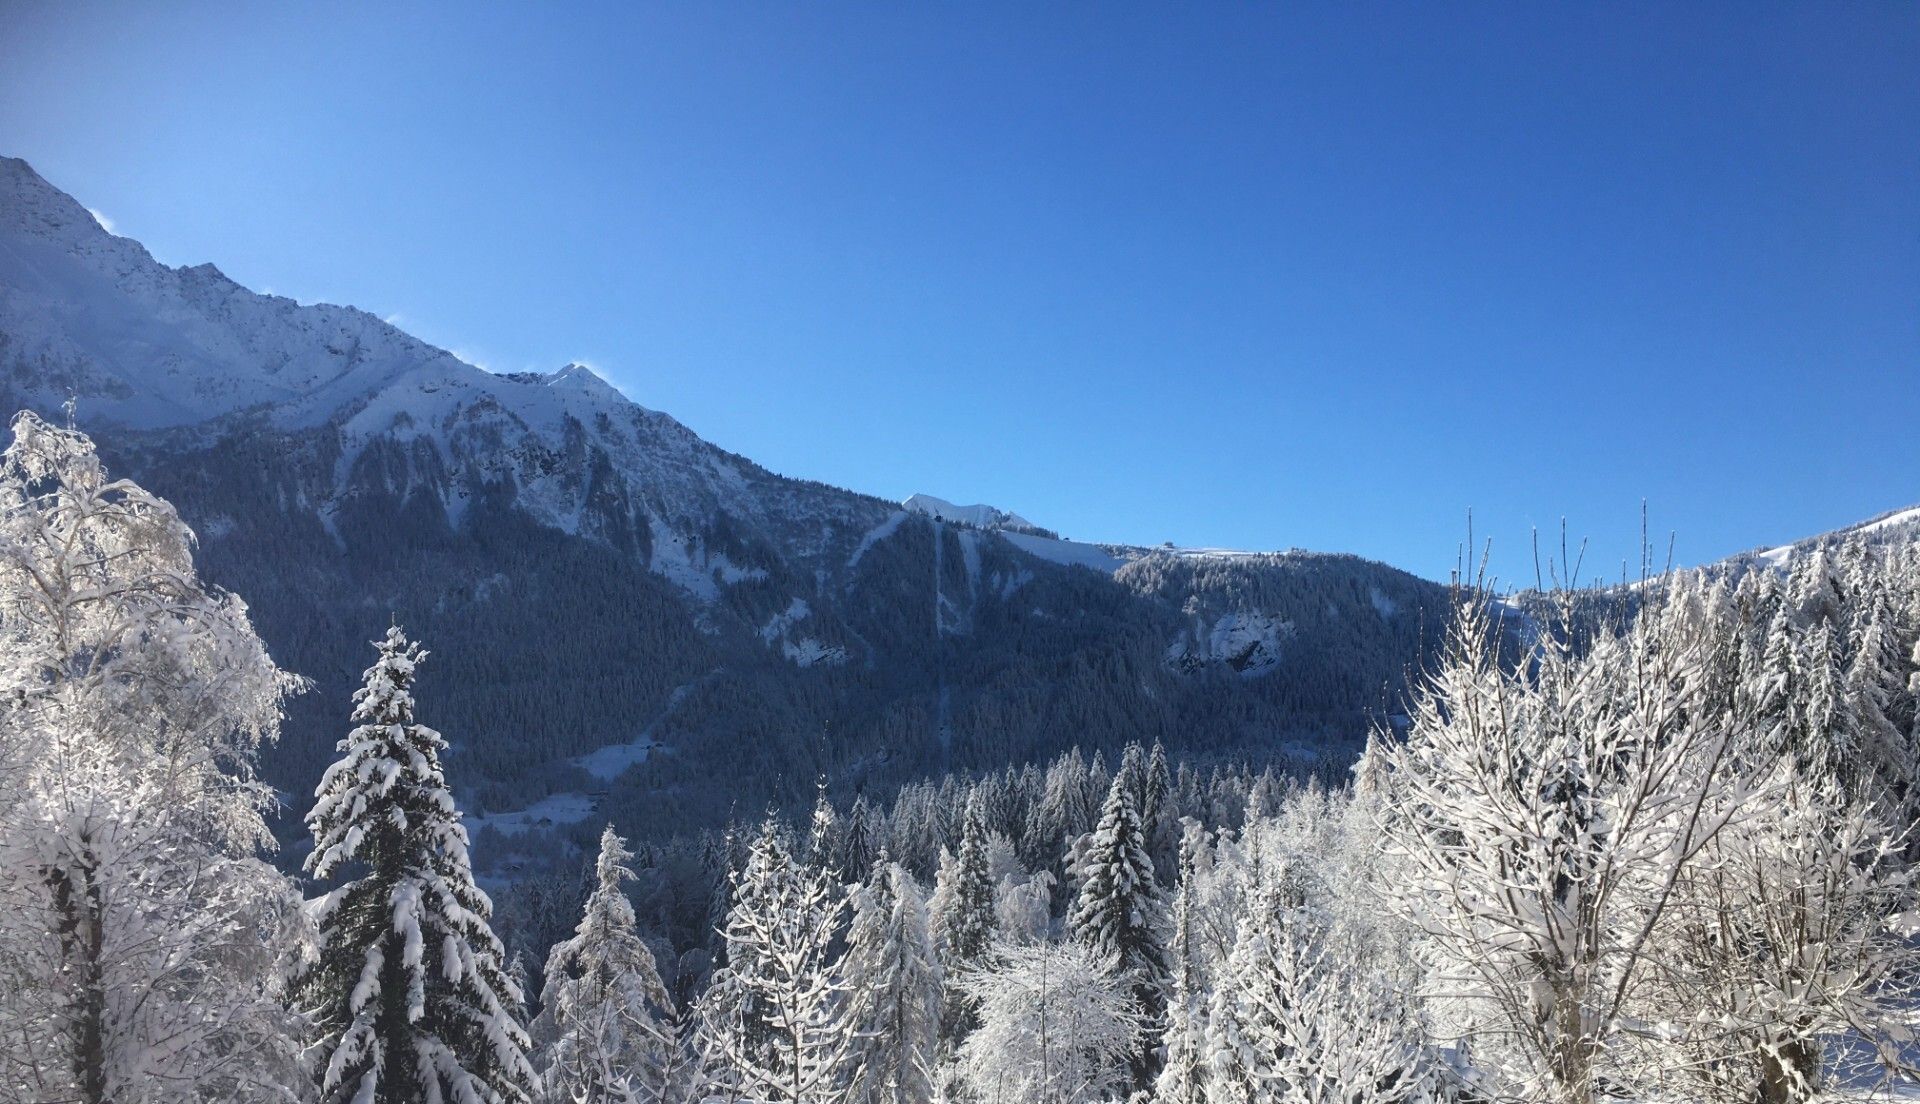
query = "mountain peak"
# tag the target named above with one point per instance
(30, 205)
(978, 516)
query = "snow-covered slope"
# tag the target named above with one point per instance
(1895, 525)
(977, 516)
(144, 346)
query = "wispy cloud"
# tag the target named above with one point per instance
(472, 358)
(105, 222)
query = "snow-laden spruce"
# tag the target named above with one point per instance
(773, 1023)
(1121, 912)
(893, 984)
(410, 992)
(606, 1022)
(963, 918)
(140, 941)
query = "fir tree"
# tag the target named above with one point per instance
(606, 1022)
(894, 984)
(1120, 911)
(1158, 817)
(774, 1024)
(966, 925)
(1182, 1078)
(410, 992)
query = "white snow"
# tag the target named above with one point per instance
(612, 760)
(777, 625)
(1248, 642)
(1785, 554)
(808, 652)
(560, 808)
(1383, 605)
(801, 651)
(1071, 553)
(875, 535)
(978, 516)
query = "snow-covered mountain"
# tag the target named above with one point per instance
(600, 585)
(1894, 525)
(977, 516)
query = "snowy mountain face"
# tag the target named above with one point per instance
(1892, 527)
(975, 517)
(600, 586)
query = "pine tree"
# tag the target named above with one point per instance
(1182, 1078)
(410, 992)
(1158, 817)
(1241, 1032)
(857, 841)
(1877, 701)
(1120, 910)
(1826, 723)
(606, 1022)
(894, 983)
(966, 924)
(823, 831)
(774, 1024)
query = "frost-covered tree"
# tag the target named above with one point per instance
(894, 991)
(1339, 1035)
(606, 1022)
(774, 1022)
(1182, 1077)
(1055, 1027)
(410, 993)
(1120, 912)
(1544, 817)
(140, 940)
(1792, 932)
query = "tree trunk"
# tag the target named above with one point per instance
(1789, 1071)
(83, 939)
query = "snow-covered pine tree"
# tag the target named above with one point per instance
(1880, 705)
(410, 992)
(858, 843)
(823, 831)
(1159, 818)
(606, 1022)
(1182, 1078)
(773, 1023)
(1240, 1036)
(140, 941)
(893, 981)
(966, 924)
(1121, 913)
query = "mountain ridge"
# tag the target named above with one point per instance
(627, 618)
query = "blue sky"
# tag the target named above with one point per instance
(1256, 276)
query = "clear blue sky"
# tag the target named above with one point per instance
(1244, 275)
